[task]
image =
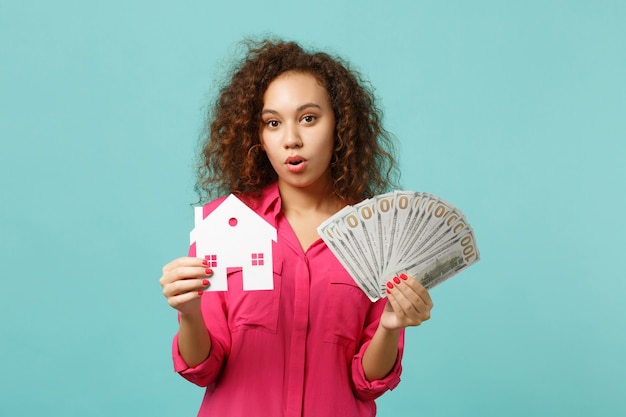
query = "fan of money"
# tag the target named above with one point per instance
(408, 232)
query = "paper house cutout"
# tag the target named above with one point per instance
(233, 236)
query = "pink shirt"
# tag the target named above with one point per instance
(295, 350)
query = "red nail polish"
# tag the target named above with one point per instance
(396, 280)
(403, 276)
(388, 292)
(205, 262)
(205, 282)
(208, 271)
(389, 285)
(200, 292)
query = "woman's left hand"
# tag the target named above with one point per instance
(408, 303)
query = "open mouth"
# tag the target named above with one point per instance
(295, 160)
(295, 164)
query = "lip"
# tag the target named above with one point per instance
(295, 163)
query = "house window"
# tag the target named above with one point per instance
(257, 259)
(211, 261)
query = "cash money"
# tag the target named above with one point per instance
(409, 232)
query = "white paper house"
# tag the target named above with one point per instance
(232, 236)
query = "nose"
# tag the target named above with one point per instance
(292, 138)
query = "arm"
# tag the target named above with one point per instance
(183, 282)
(381, 354)
(408, 304)
(194, 342)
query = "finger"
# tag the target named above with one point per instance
(408, 301)
(409, 286)
(185, 272)
(185, 286)
(405, 314)
(416, 310)
(183, 261)
(392, 300)
(418, 288)
(180, 300)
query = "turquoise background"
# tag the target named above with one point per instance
(515, 111)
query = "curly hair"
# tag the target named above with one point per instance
(232, 161)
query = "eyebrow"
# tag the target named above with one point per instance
(299, 109)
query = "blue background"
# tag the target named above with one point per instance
(514, 111)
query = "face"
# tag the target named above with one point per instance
(298, 130)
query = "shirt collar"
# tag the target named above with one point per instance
(268, 205)
(271, 203)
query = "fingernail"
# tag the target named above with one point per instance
(208, 271)
(389, 285)
(388, 292)
(200, 292)
(205, 282)
(396, 280)
(403, 276)
(205, 262)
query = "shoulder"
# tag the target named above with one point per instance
(212, 205)
(259, 201)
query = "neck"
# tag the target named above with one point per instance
(315, 198)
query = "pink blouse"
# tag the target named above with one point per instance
(295, 350)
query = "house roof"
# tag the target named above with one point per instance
(232, 220)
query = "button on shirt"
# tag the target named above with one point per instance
(295, 350)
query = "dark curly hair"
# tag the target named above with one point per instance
(231, 160)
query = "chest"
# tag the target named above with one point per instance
(305, 228)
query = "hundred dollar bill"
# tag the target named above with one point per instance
(366, 213)
(386, 215)
(446, 261)
(404, 207)
(403, 231)
(439, 220)
(349, 255)
(416, 226)
(408, 206)
(353, 226)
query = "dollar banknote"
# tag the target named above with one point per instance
(409, 232)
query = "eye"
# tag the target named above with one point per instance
(272, 123)
(309, 118)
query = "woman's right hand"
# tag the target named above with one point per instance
(183, 281)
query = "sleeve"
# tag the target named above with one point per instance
(370, 390)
